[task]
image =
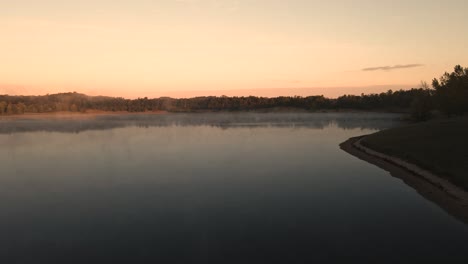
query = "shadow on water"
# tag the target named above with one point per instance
(222, 120)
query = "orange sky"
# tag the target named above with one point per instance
(185, 48)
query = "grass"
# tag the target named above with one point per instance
(440, 146)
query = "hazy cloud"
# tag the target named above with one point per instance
(391, 68)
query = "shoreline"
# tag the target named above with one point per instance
(451, 198)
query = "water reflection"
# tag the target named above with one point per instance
(210, 188)
(223, 120)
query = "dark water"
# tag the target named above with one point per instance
(210, 188)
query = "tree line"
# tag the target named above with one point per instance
(75, 102)
(449, 94)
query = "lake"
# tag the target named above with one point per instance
(210, 188)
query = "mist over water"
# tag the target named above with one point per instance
(80, 123)
(210, 188)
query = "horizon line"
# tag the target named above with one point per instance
(240, 92)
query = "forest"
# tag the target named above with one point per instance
(448, 95)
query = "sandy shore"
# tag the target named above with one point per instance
(451, 198)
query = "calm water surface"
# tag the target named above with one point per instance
(210, 188)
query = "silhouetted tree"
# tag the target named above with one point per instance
(450, 96)
(451, 91)
(422, 104)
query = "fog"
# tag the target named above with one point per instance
(69, 124)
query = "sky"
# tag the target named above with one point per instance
(185, 48)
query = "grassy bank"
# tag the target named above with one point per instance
(440, 146)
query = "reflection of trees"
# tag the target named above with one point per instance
(221, 120)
